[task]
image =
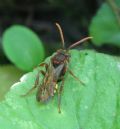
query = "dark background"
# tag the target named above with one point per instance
(73, 15)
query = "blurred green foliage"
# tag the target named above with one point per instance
(23, 47)
(105, 27)
(9, 75)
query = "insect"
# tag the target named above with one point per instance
(60, 63)
(54, 73)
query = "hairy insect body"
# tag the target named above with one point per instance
(59, 61)
(49, 85)
(46, 88)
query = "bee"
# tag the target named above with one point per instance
(54, 73)
(60, 62)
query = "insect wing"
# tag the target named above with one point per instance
(58, 71)
(46, 89)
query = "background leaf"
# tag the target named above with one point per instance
(104, 26)
(23, 47)
(9, 74)
(93, 106)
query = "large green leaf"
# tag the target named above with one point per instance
(23, 47)
(104, 26)
(93, 106)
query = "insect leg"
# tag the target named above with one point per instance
(75, 77)
(59, 95)
(35, 85)
(43, 72)
(44, 64)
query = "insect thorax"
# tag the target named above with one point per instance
(60, 57)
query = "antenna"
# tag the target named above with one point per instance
(61, 34)
(79, 42)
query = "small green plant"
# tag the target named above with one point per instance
(23, 47)
(105, 26)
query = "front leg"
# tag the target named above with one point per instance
(44, 64)
(71, 73)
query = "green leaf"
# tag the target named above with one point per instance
(9, 74)
(23, 47)
(104, 26)
(93, 106)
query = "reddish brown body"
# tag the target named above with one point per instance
(48, 85)
(60, 57)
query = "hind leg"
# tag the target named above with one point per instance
(35, 84)
(59, 95)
